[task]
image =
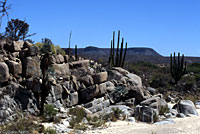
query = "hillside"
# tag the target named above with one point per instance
(134, 54)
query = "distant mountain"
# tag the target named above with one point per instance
(134, 54)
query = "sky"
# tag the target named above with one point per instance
(167, 26)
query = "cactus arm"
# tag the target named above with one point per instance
(124, 55)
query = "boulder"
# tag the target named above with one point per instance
(14, 67)
(57, 89)
(134, 79)
(80, 63)
(66, 58)
(121, 70)
(100, 77)
(109, 86)
(73, 97)
(145, 114)
(155, 103)
(61, 69)
(87, 80)
(31, 67)
(97, 104)
(4, 72)
(59, 58)
(17, 45)
(187, 107)
(32, 51)
(113, 74)
(79, 72)
(137, 93)
(151, 90)
(27, 44)
(89, 93)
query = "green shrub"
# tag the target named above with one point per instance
(49, 131)
(163, 110)
(49, 111)
(47, 46)
(95, 121)
(194, 67)
(77, 116)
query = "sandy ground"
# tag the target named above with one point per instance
(187, 125)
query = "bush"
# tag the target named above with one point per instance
(194, 67)
(49, 111)
(95, 122)
(163, 110)
(47, 46)
(22, 125)
(77, 116)
(49, 131)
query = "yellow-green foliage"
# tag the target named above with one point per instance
(55, 49)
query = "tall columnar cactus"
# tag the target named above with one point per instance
(117, 59)
(177, 68)
(76, 55)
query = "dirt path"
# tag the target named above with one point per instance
(187, 125)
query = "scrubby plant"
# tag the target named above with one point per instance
(95, 121)
(21, 125)
(47, 46)
(49, 131)
(77, 116)
(118, 59)
(177, 67)
(163, 110)
(49, 111)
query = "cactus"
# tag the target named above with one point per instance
(118, 60)
(177, 68)
(76, 55)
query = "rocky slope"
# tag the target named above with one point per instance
(81, 83)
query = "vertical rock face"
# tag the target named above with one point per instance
(4, 72)
(31, 67)
(14, 67)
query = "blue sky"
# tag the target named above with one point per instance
(164, 25)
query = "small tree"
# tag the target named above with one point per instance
(17, 30)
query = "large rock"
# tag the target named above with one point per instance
(137, 93)
(121, 70)
(187, 107)
(59, 58)
(17, 45)
(31, 67)
(134, 79)
(100, 77)
(79, 72)
(113, 74)
(155, 103)
(89, 93)
(87, 80)
(97, 104)
(4, 72)
(73, 97)
(145, 114)
(32, 51)
(61, 69)
(80, 63)
(14, 67)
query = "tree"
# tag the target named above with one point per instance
(4, 10)
(17, 30)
